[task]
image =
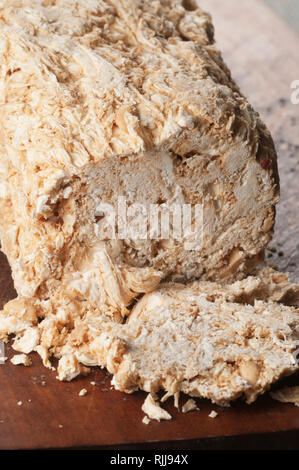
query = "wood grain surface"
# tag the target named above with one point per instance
(262, 52)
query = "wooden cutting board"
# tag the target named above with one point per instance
(262, 52)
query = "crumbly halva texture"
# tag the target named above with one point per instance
(175, 396)
(123, 98)
(190, 405)
(201, 340)
(146, 420)
(153, 410)
(204, 339)
(101, 100)
(94, 341)
(21, 359)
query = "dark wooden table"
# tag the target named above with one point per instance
(262, 52)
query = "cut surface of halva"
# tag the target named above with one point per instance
(201, 340)
(127, 100)
(127, 104)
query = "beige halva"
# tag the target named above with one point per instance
(102, 100)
